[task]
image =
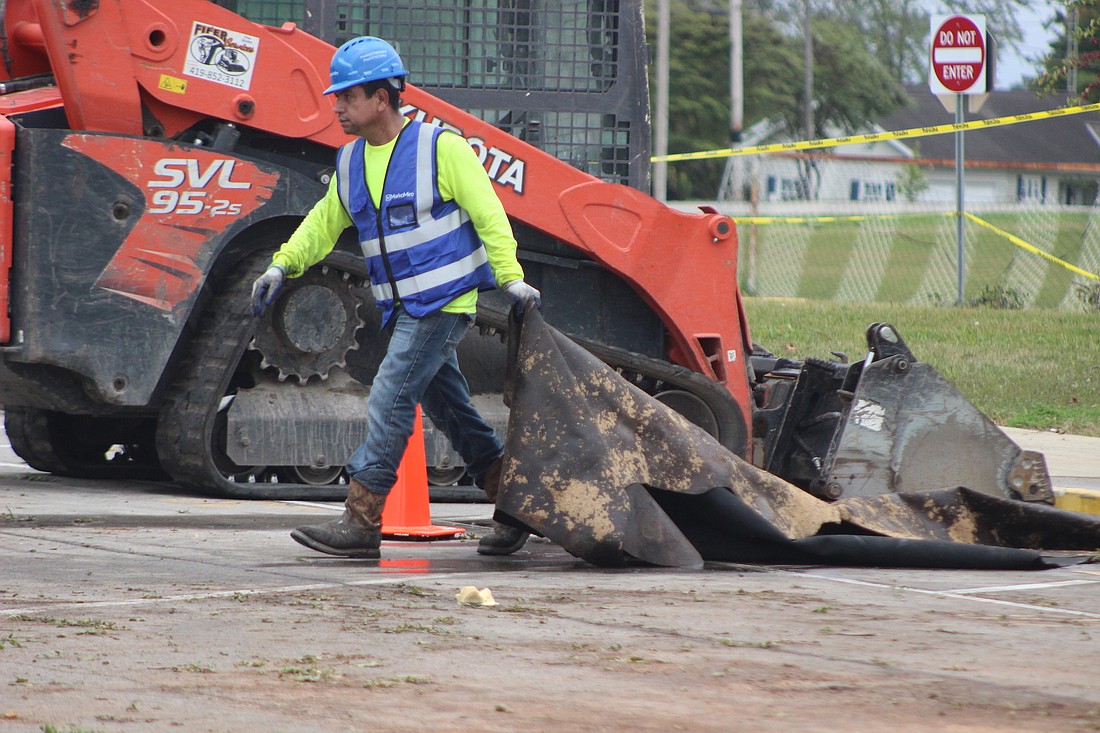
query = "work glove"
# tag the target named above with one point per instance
(266, 288)
(524, 295)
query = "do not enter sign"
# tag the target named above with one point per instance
(958, 57)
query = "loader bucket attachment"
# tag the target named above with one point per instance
(887, 424)
(908, 430)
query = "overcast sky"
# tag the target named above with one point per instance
(1012, 64)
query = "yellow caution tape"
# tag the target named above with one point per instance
(825, 219)
(1031, 248)
(876, 136)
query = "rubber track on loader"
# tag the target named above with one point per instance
(186, 426)
(49, 442)
(28, 433)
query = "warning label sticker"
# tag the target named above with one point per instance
(221, 55)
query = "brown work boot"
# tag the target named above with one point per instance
(357, 533)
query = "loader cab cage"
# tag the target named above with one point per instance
(566, 77)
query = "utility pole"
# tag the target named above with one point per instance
(660, 143)
(737, 83)
(807, 163)
(1071, 51)
(730, 187)
(808, 77)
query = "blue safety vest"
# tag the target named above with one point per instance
(420, 251)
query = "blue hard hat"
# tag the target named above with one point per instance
(362, 60)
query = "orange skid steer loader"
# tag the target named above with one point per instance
(153, 155)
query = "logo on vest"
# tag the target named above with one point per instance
(395, 196)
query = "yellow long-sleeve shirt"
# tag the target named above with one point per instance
(460, 177)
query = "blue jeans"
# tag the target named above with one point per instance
(421, 366)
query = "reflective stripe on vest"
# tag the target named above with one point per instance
(432, 249)
(435, 278)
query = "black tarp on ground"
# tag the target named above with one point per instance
(610, 474)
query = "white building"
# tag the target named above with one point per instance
(1053, 160)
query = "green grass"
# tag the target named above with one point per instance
(1023, 368)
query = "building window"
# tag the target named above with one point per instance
(784, 189)
(1031, 188)
(861, 190)
(790, 190)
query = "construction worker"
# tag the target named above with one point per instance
(433, 232)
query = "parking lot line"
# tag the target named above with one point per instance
(953, 594)
(1026, 586)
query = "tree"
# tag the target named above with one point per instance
(896, 31)
(911, 180)
(851, 86)
(699, 93)
(1078, 77)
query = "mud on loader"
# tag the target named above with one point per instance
(153, 155)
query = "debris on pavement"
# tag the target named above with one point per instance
(470, 596)
(613, 476)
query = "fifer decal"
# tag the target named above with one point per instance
(221, 56)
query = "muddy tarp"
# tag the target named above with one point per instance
(613, 476)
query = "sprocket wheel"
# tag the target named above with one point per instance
(312, 325)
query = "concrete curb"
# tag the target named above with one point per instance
(1074, 465)
(1078, 500)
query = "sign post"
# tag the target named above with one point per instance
(957, 65)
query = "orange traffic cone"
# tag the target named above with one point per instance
(406, 514)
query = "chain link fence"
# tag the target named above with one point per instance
(1027, 253)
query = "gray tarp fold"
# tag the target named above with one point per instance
(612, 475)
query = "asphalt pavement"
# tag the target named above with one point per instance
(136, 606)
